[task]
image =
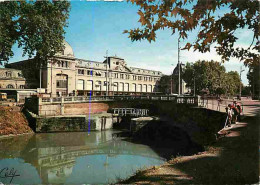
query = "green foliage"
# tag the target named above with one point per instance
(37, 27)
(165, 84)
(232, 82)
(253, 77)
(211, 76)
(246, 91)
(183, 16)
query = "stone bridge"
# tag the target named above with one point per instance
(84, 105)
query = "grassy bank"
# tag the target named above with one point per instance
(232, 159)
(12, 122)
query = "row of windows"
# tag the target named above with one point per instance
(135, 69)
(10, 74)
(146, 71)
(117, 75)
(10, 86)
(63, 64)
(115, 86)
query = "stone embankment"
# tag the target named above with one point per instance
(13, 122)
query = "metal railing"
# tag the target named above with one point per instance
(177, 99)
(130, 111)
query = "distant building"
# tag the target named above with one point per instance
(66, 75)
(13, 83)
(11, 79)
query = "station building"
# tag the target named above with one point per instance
(64, 75)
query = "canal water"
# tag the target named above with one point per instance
(72, 158)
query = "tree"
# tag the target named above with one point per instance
(184, 16)
(232, 83)
(165, 84)
(211, 76)
(253, 77)
(37, 27)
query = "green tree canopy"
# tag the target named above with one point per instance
(211, 76)
(37, 27)
(183, 16)
(232, 82)
(253, 77)
(165, 84)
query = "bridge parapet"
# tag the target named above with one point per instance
(130, 112)
(176, 99)
(81, 105)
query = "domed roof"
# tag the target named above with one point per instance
(68, 51)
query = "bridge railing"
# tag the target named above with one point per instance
(177, 99)
(130, 111)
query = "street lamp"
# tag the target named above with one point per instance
(179, 89)
(194, 83)
(171, 78)
(240, 82)
(107, 73)
(40, 77)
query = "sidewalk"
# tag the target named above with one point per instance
(250, 107)
(233, 159)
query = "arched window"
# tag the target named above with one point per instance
(8, 74)
(10, 86)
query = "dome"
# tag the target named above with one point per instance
(68, 51)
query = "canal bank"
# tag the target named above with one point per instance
(231, 159)
(13, 122)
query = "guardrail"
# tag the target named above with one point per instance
(72, 99)
(130, 111)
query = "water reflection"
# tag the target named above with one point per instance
(74, 158)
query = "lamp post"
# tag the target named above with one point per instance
(107, 74)
(40, 77)
(240, 87)
(179, 66)
(194, 83)
(171, 79)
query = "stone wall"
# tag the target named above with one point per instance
(85, 108)
(75, 123)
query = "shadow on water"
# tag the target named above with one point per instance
(165, 139)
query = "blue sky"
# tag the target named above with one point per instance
(95, 27)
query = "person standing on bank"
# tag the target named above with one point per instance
(235, 113)
(239, 109)
(229, 112)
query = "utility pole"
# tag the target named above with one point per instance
(240, 89)
(179, 89)
(107, 74)
(40, 77)
(194, 83)
(171, 79)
